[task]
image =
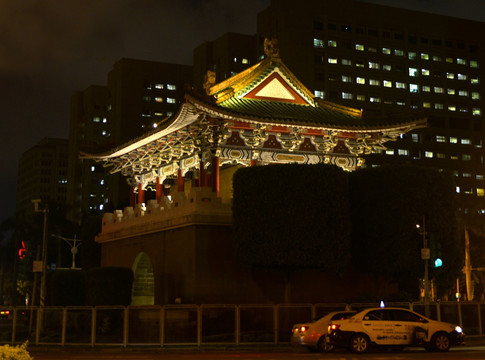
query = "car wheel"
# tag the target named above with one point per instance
(359, 343)
(324, 346)
(440, 342)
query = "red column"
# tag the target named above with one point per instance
(141, 194)
(180, 181)
(202, 175)
(215, 174)
(158, 190)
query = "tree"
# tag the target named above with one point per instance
(386, 204)
(290, 217)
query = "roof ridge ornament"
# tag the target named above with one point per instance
(271, 48)
(209, 81)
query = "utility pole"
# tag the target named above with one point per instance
(425, 255)
(44, 250)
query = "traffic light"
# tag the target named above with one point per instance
(438, 262)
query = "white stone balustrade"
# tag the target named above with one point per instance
(201, 206)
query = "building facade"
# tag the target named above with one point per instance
(138, 94)
(42, 174)
(370, 56)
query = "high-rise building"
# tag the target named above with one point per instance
(139, 95)
(392, 60)
(226, 56)
(42, 174)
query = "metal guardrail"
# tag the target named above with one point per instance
(194, 325)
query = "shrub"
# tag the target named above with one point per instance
(20, 352)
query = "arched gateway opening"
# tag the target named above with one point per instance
(143, 282)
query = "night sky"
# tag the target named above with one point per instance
(51, 48)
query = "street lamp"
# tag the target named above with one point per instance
(45, 210)
(74, 244)
(425, 255)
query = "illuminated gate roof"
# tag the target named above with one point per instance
(263, 113)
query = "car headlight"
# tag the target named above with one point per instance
(458, 329)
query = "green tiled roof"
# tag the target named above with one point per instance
(304, 115)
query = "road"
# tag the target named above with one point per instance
(461, 353)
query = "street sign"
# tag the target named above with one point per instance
(425, 254)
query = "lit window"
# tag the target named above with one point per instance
(436, 58)
(450, 91)
(453, 140)
(400, 102)
(476, 111)
(332, 60)
(461, 61)
(346, 95)
(361, 97)
(171, 87)
(158, 86)
(428, 154)
(426, 88)
(475, 95)
(332, 43)
(440, 138)
(425, 72)
(386, 67)
(479, 177)
(453, 157)
(320, 94)
(374, 82)
(438, 90)
(390, 152)
(473, 63)
(450, 75)
(413, 88)
(463, 93)
(412, 55)
(373, 65)
(374, 99)
(171, 100)
(475, 80)
(452, 107)
(93, 168)
(457, 189)
(413, 72)
(466, 157)
(402, 152)
(449, 60)
(387, 83)
(480, 192)
(96, 119)
(346, 62)
(359, 64)
(427, 105)
(159, 99)
(346, 78)
(400, 85)
(235, 60)
(441, 156)
(466, 141)
(104, 132)
(386, 51)
(462, 77)
(104, 120)
(438, 106)
(318, 43)
(424, 56)
(463, 109)
(359, 47)
(415, 137)
(398, 52)
(245, 61)
(360, 80)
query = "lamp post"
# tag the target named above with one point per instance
(45, 210)
(425, 255)
(74, 244)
